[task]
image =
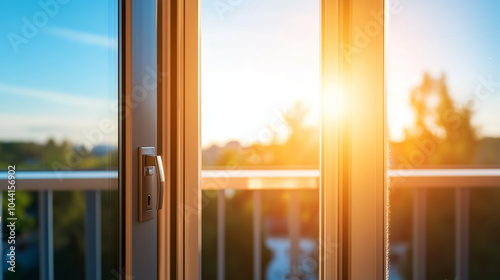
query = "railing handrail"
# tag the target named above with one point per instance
(63, 180)
(260, 173)
(63, 174)
(457, 172)
(444, 178)
(258, 179)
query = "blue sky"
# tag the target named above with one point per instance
(458, 38)
(61, 81)
(257, 57)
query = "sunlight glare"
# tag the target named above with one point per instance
(333, 104)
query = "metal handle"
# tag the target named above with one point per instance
(160, 179)
(160, 182)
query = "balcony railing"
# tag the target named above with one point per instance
(258, 180)
(92, 182)
(45, 183)
(462, 180)
(420, 179)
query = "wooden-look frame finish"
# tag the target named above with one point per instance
(166, 21)
(178, 141)
(179, 138)
(329, 234)
(125, 154)
(192, 141)
(353, 150)
(353, 142)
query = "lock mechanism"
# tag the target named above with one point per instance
(150, 174)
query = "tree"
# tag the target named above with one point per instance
(442, 134)
(441, 124)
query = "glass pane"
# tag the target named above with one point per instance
(260, 82)
(59, 128)
(442, 84)
(260, 63)
(443, 99)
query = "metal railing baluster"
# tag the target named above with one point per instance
(257, 229)
(221, 234)
(419, 233)
(463, 179)
(93, 235)
(294, 232)
(46, 241)
(462, 233)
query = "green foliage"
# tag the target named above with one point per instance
(26, 223)
(24, 210)
(109, 233)
(209, 235)
(68, 207)
(69, 238)
(484, 227)
(51, 156)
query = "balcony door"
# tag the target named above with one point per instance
(59, 139)
(78, 88)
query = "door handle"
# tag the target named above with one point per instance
(160, 178)
(149, 164)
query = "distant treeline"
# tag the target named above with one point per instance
(48, 156)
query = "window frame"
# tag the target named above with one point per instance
(179, 138)
(353, 191)
(353, 194)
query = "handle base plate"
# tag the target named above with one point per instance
(147, 185)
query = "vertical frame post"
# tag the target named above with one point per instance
(125, 158)
(329, 237)
(353, 190)
(179, 137)
(191, 152)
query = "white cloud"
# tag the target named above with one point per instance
(76, 129)
(83, 37)
(56, 97)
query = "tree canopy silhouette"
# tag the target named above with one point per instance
(442, 130)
